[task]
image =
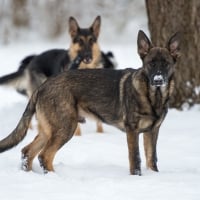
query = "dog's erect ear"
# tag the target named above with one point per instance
(96, 26)
(73, 27)
(174, 45)
(143, 43)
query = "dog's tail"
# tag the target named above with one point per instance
(18, 78)
(109, 60)
(11, 79)
(20, 131)
(24, 63)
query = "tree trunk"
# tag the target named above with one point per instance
(164, 19)
(20, 16)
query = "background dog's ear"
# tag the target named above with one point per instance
(96, 26)
(174, 45)
(73, 27)
(143, 43)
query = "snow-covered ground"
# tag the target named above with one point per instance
(95, 166)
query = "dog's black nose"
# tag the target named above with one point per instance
(87, 58)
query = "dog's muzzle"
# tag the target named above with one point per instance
(158, 80)
(86, 57)
(87, 60)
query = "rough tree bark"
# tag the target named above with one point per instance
(164, 19)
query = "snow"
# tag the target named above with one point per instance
(95, 166)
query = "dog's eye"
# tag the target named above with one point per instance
(152, 64)
(91, 41)
(80, 41)
(168, 65)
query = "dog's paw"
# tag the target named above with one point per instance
(24, 164)
(136, 172)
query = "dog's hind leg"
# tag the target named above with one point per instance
(30, 151)
(150, 142)
(65, 131)
(48, 153)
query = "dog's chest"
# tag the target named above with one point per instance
(158, 98)
(149, 112)
(148, 122)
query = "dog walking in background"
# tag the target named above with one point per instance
(35, 69)
(135, 101)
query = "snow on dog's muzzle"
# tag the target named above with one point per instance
(158, 80)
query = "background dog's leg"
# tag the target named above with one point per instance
(78, 130)
(99, 127)
(150, 142)
(134, 154)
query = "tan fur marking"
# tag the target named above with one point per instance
(78, 130)
(73, 52)
(121, 86)
(99, 127)
(145, 123)
(44, 125)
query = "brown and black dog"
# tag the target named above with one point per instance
(35, 69)
(135, 101)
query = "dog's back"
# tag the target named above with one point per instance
(51, 62)
(99, 90)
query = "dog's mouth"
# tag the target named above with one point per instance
(158, 80)
(87, 60)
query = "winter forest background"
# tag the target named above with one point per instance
(32, 21)
(48, 19)
(95, 166)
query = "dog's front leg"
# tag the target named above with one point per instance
(150, 143)
(134, 154)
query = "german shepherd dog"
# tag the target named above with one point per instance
(35, 69)
(135, 101)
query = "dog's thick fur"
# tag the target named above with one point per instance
(134, 101)
(35, 69)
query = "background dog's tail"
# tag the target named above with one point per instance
(20, 131)
(11, 79)
(18, 79)
(26, 61)
(108, 60)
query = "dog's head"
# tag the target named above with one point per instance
(84, 40)
(158, 62)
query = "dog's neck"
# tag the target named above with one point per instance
(160, 96)
(156, 97)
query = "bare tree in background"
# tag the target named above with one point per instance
(167, 17)
(19, 12)
(49, 18)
